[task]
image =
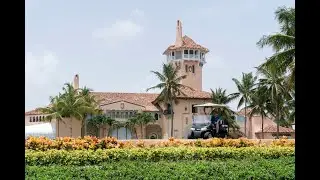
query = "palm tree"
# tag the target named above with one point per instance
(170, 87)
(272, 81)
(100, 121)
(69, 104)
(110, 122)
(133, 121)
(53, 111)
(245, 88)
(282, 43)
(142, 119)
(219, 96)
(91, 101)
(258, 105)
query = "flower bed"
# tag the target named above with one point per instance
(93, 143)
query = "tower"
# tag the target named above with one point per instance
(188, 57)
(76, 82)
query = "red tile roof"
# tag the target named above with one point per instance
(141, 99)
(33, 112)
(273, 129)
(187, 43)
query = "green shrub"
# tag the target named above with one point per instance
(281, 168)
(90, 157)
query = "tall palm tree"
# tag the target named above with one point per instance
(69, 104)
(272, 81)
(92, 102)
(220, 96)
(258, 105)
(171, 87)
(246, 87)
(283, 43)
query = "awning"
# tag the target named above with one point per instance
(43, 129)
(211, 105)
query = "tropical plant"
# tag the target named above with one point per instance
(69, 104)
(219, 96)
(258, 105)
(272, 81)
(132, 122)
(99, 121)
(170, 87)
(246, 87)
(92, 102)
(142, 119)
(282, 43)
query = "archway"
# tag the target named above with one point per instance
(153, 131)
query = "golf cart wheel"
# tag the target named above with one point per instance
(207, 135)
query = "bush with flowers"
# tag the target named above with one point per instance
(93, 143)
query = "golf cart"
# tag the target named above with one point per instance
(202, 127)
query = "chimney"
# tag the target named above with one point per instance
(179, 34)
(76, 82)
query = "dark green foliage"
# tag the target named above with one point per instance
(89, 157)
(282, 168)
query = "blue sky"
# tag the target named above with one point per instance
(113, 45)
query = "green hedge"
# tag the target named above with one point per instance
(89, 157)
(281, 168)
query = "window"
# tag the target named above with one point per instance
(34, 119)
(178, 55)
(127, 115)
(40, 118)
(43, 118)
(185, 108)
(186, 68)
(191, 55)
(172, 55)
(156, 117)
(196, 54)
(130, 114)
(117, 114)
(194, 109)
(192, 68)
(185, 54)
(30, 119)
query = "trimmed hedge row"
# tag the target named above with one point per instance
(90, 157)
(93, 143)
(281, 168)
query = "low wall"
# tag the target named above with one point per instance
(155, 141)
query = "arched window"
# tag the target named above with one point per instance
(30, 119)
(156, 117)
(37, 119)
(43, 118)
(40, 118)
(34, 119)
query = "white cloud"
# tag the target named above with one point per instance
(38, 69)
(121, 30)
(41, 78)
(137, 13)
